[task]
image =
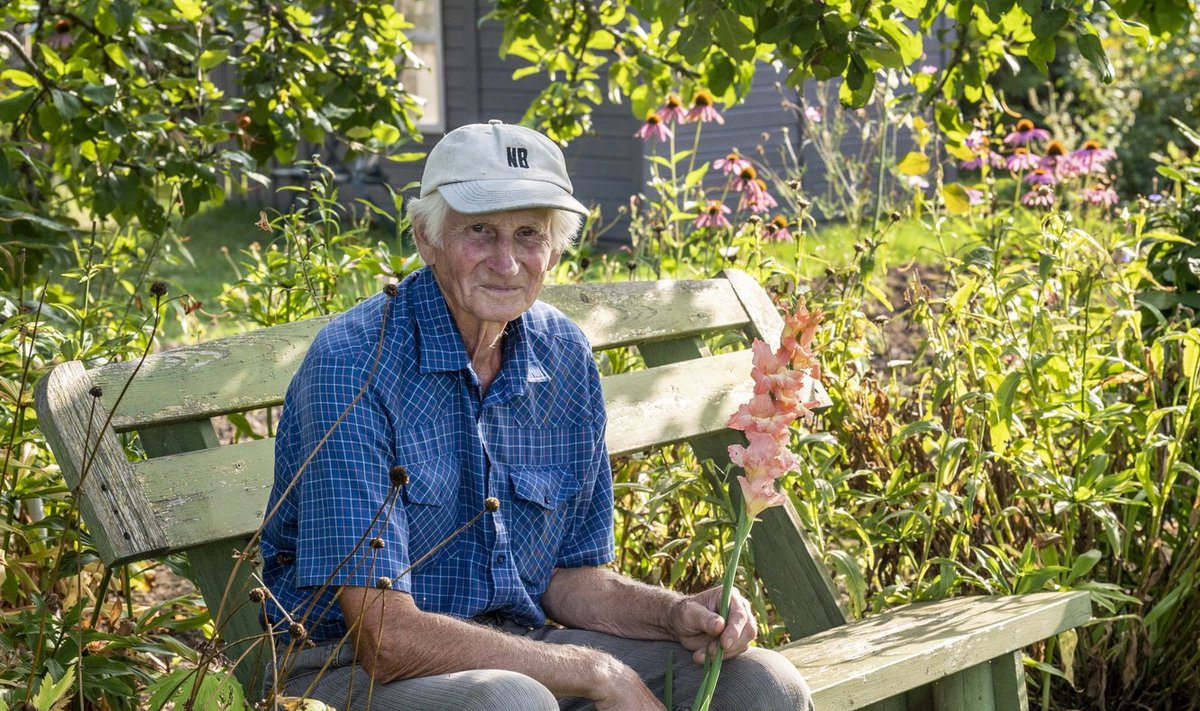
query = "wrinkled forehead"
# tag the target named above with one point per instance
(508, 220)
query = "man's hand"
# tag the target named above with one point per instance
(626, 690)
(700, 628)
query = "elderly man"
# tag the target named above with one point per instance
(444, 490)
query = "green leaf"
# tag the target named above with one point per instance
(1041, 52)
(210, 58)
(117, 55)
(1083, 565)
(67, 106)
(51, 692)
(1048, 23)
(19, 78)
(956, 199)
(190, 9)
(915, 163)
(1091, 48)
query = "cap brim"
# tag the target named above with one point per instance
(474, 197)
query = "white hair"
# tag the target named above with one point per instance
(428, 214)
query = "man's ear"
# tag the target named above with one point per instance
(554, 257)
(423, 247)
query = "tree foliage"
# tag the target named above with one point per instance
(126, 112)
(645, 49)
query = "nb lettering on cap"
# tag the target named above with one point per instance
(518, 157)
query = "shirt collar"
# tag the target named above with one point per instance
(442, 349)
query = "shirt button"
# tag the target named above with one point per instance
(501, 558)
(546, 499)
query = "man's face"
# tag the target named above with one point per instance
(490, 267)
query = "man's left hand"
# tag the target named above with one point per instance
(700, 628)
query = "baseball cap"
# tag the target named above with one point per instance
(494, 166)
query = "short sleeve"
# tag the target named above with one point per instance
(351, 523)
(589, 539)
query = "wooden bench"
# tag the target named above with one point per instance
(192, 494)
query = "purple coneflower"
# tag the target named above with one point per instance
(929, 69)
(976, 139)
(713, 215)
(1093, 157)
(703, 109)
(1056, 158)
(732, 163)
(777, 230)
(1041, 176)
(653, 129)
(61, 38)
(1022, 160)
(1102, 196)
(974, 197)
(1041, 196)
(1026, 132)
(672, 111)
(746, 179)
(916, 182)
(756, 198)
(813, 114)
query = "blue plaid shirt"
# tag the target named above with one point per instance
(535, 442)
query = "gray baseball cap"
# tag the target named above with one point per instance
(494, 166)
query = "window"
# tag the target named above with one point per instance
(426, 83)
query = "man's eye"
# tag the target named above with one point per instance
(477, 228)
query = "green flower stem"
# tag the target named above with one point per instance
(713, 665)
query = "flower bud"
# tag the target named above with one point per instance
(159, 288)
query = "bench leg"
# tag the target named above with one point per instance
(240, 630)
(997, 685)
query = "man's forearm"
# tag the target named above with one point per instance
(395, 640)
(602, 600)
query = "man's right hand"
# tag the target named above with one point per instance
(626, 691)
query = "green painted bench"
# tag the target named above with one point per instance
(193, 494)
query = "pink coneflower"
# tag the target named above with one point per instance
(1026, 132)
(1041, 176)
(1022, 160)
(672, 111)
(916, 182)
(976, 139)
(1093, 157)
(813, 114)
(654, 129)
(929, 69)
(61, 38)
(1041, 196)
(995, 160)
(703, 109)
(757, 199)
(777, 230)
(713, 215)
(732, 163)
(1056, 156)
(1100, 195)
(974, 197)
(746, 179)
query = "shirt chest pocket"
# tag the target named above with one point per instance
(544, 500)
(431, 507)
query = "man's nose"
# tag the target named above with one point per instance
(503, 259)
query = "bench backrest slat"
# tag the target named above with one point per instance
(252, 370)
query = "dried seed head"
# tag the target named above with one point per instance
(398, 475)
(53, 603)
(377, 543)
(159, 288)
(896, 216)
(492, 504)
(383, 583)
(258, 594)
(297, 631)
(391, 290)
(96, 391)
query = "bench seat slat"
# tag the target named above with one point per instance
(226, 497)
(864, 662)
(252, 370)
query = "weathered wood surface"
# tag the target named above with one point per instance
(252, 370)
(868, 661)
(111, 500)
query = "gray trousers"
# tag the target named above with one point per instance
(758, 680)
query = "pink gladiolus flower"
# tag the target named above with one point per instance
(703, 109)
(654, 129)
(1022, 160)
(763, 414)
(672, 111)
(760, 495)
(766, 457)
(1026, 132)
(713, 215)
(732, 163)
